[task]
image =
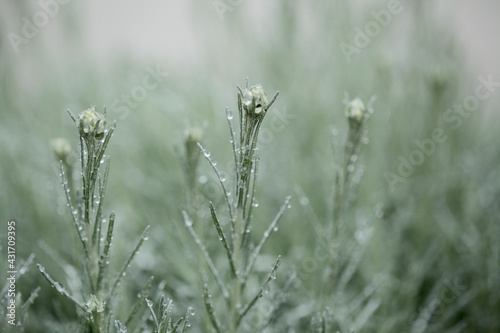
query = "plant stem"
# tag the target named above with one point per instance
(238, 261)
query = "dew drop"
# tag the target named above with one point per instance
(223, 178)
(229, 114)
(350, 168)
(267, 288)
(202, 179)
(191, 311)
(255, 203)
(275, 229)
(206, 153)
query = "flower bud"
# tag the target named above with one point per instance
(355, 110)
(95, 305)
(194, 135)
(255, 100)
(61, 148)
(91, 124)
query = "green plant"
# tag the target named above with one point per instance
(97, 283)
(241, 254)
(163, 318)
(344, 250)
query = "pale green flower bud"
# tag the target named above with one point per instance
(95, 305)
(255, 100)
(91, 124)
(355, 110)
(61, 148)
(194, 135)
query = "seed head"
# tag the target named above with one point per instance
(91, 124)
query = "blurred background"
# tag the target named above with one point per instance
(162, 67)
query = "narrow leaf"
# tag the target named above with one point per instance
(211, 266)
(60, 288)
(210, 309)
(265, 237)
(127, 263)
(222, 238)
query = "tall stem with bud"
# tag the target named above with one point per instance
(252, 106)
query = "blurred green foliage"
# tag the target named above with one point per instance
(431, 260)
